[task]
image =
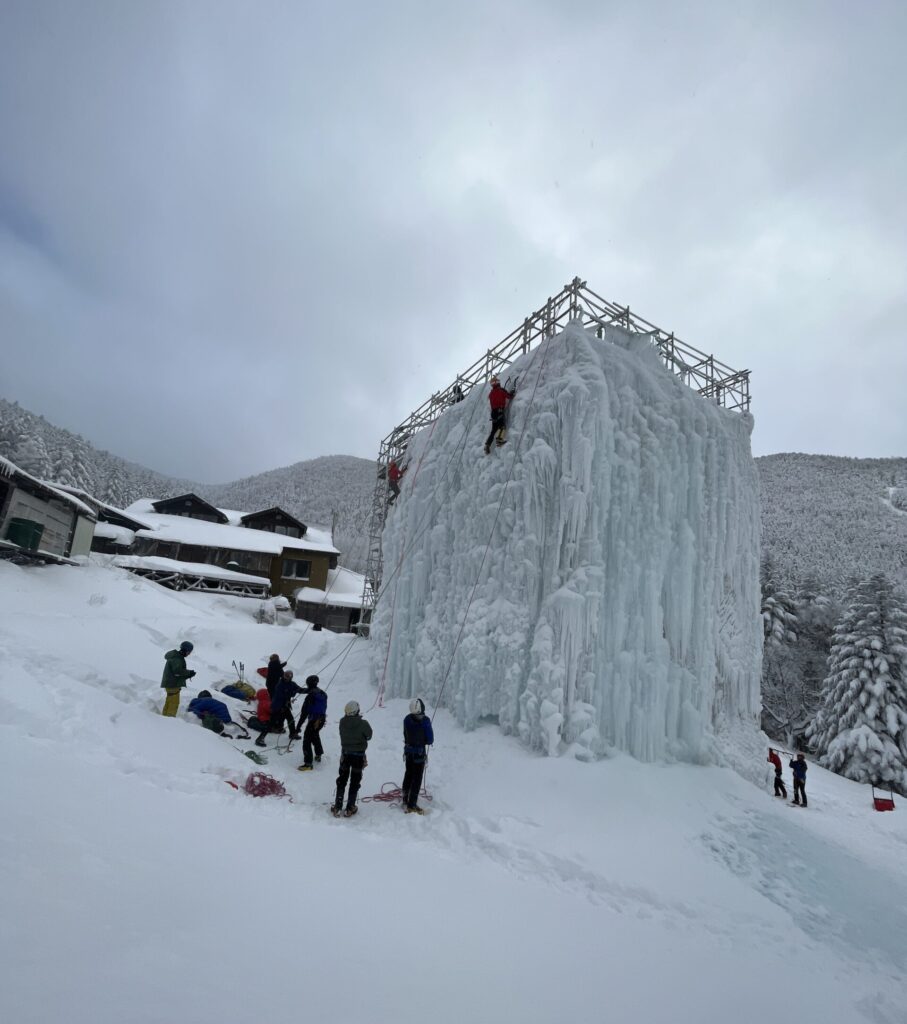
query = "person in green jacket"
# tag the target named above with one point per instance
(175, 676)
(355, 733)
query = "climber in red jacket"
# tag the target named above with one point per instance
(394, 476)
(498, 398)
(780, 789)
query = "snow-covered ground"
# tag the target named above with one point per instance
(138, 888)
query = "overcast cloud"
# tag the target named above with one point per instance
(236, 235)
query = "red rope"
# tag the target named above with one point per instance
(391, 795)
(260, 784)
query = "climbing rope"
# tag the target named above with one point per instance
(260, 784)
(391, 793)
(422, 527)
(546, 345)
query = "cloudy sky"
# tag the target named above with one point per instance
(234, 235)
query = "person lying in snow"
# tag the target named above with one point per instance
(213, 713)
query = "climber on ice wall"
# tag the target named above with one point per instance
(498, 398)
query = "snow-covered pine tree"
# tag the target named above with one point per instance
(783, 713)
(860, 730)
(779, 614)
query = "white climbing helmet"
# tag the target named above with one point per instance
(417, 706)
(352, 707)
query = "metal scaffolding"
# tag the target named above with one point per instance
(709, 376)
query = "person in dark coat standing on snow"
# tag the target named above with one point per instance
(275, 673)
(417, 736)
(798, 767)
(175, 676)
(498, 398)
(314, 712)
(355, 733)
(281, 708)
(779, 781)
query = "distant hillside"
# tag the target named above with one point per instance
(831, 518)
(311, 490)
(822, 516)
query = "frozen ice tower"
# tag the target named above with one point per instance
(608, 556)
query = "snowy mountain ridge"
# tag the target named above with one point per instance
(312, 490)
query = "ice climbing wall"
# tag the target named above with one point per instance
(608, 556)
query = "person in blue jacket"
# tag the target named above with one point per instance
(798, 767)
(213, 713)
(417, 736)
(314, 712)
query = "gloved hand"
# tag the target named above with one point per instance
(191, 673)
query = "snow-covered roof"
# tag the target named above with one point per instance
(344, 590)
(99, 505)
(10, 469)
(184, 530)
(187, 568)
(118, 534)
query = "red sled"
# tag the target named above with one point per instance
(263, 672)
(883, 803)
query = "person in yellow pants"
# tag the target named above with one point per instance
(175, 676)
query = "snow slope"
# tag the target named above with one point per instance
(608, 556)
(138, 888)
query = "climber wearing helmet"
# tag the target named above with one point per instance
(175, 676)
(498, 398)
(394, 476)
(417, 736)
(355, 733)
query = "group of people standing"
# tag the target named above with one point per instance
(798, 768)
(274, 711)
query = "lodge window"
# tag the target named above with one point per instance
(296, 569)
(287, 531)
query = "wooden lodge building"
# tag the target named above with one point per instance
(269, 547)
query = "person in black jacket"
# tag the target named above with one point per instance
(282, 708)
(275, 673)
(355, 733)
(314, 711)
(417, 736)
